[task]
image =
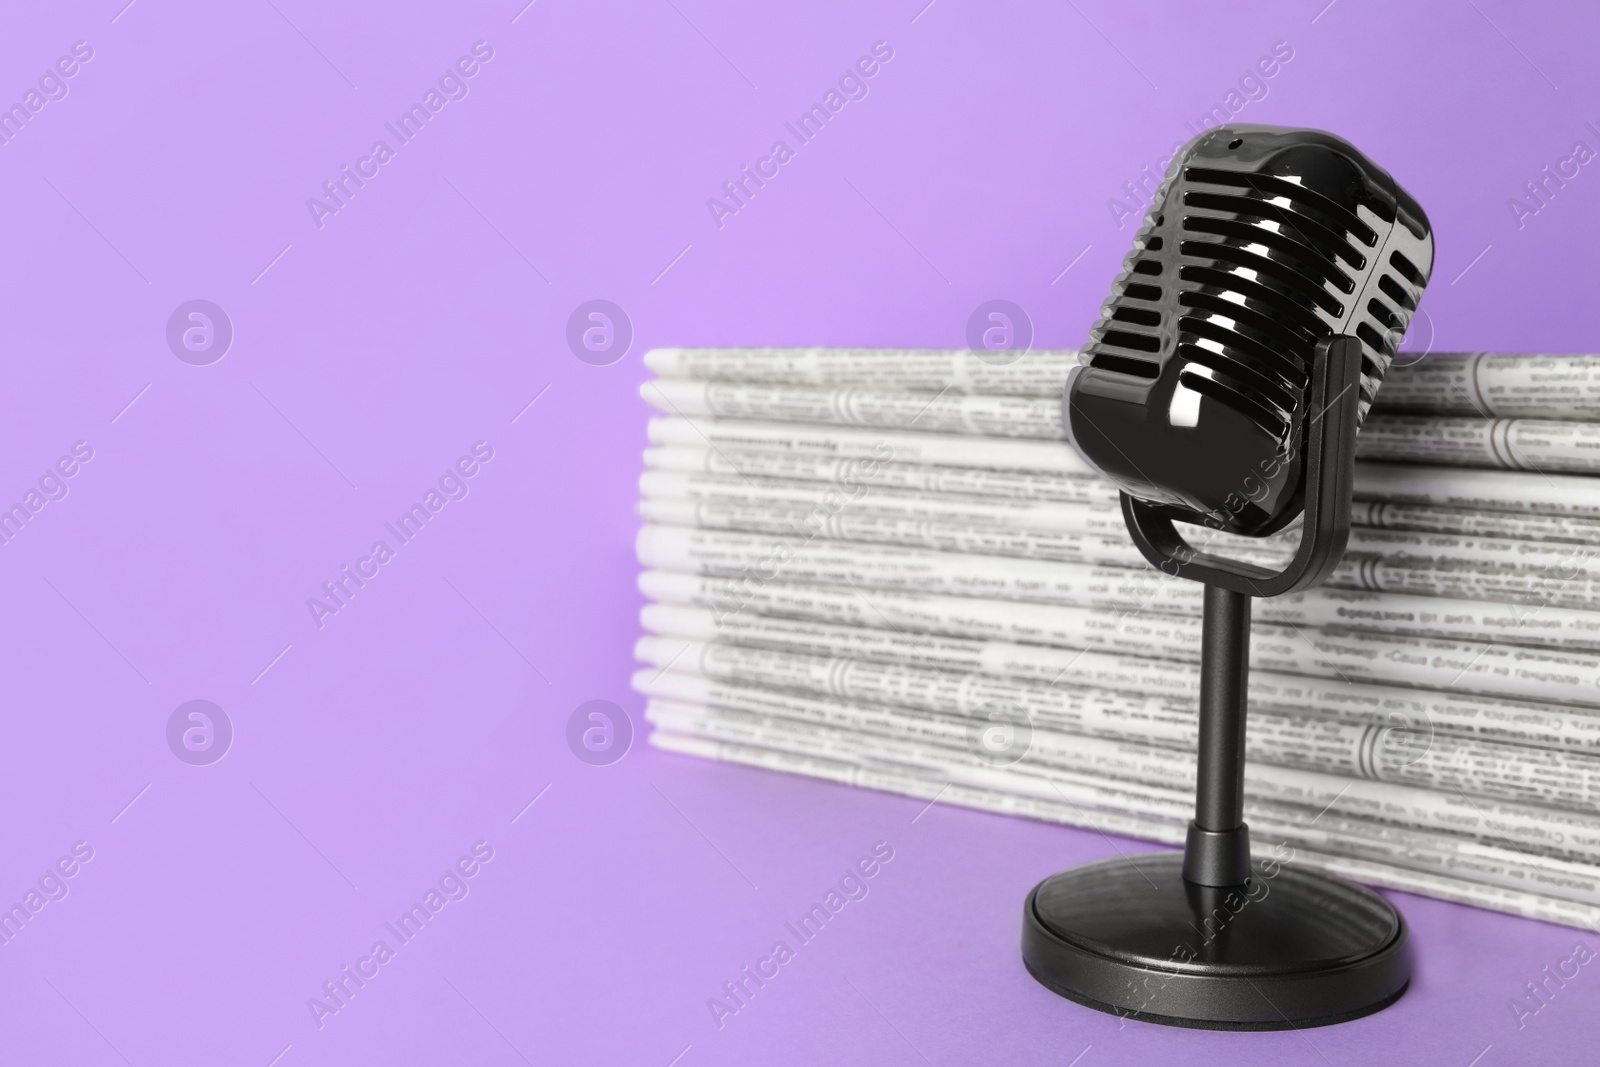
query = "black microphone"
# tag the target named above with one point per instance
(1223, 386)
(1261, 243)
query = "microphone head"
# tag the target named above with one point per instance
(1261, 242)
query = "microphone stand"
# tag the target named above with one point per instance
(1215, 940)
(1217, 852)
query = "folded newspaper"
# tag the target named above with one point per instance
(885, 568)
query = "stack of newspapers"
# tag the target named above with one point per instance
(887, 568)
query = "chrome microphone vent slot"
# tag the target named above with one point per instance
(1372, 339)
(1394, 292)
(1139, 342)
(1408, 270)
(1137, 316)
(1382, 312)
(1120, 364)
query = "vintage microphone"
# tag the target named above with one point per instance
(1222, 386)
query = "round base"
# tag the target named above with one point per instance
(1290, 949)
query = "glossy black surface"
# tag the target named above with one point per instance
(1291, 948)
(1329, 452)
(1260, 243)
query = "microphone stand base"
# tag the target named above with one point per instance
(1291, 948)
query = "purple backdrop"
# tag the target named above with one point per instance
(168, 151)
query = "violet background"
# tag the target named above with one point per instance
(425, 316)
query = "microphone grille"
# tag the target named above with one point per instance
(1259, 243)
